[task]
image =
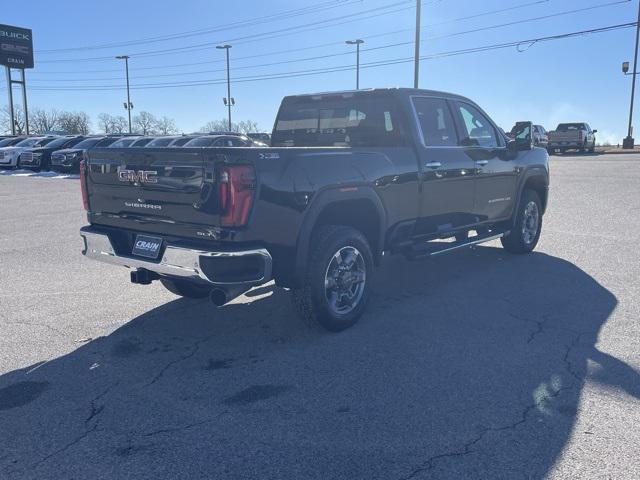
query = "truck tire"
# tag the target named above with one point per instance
(526, 232)
(584, 148)
(336, 284)
(185, 288)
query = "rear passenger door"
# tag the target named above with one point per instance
(447, 171)
(495, 175)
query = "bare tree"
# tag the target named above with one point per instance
(43, 121)
(106, 122)
(145, 123)
(120, 124)
(244, 126)
(248, 126)
(218, 126)
(166, 126)
(5, 120)
(75, 123)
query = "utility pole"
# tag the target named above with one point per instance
(416, 67)
(357, 43)
(629, 142)
(228, 101)
(128, 105)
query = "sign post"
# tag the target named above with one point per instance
(16, 51)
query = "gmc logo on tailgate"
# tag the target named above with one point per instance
(138, 176)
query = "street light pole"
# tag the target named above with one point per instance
(228, 100)
(128, 105)
(628, 142)
(416, 60)
(357, 43)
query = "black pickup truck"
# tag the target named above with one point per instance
(349, 177)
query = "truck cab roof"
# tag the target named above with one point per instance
(403, 91)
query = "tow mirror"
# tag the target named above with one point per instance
(595, 131)
(522, 136)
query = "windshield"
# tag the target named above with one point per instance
(105, 142)
(123, 143)
(6, 142)
(87, 143)
(570, 127)
(160, 142)
(181, 141)
(142, 142)
(29, 142)
(58, 142)
(200, 142)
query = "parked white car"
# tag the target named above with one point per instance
(9, 155)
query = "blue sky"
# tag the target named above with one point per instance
(566, 80)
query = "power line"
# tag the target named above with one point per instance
(254, 37)
(283, 75)
(331, 55)
(298, 49)
(284, 15)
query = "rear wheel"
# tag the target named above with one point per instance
(526, 232)
(336, 285)
(185, 288)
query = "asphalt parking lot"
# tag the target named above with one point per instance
(476, 365)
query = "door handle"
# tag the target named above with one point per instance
(482, 163)
(433, 165)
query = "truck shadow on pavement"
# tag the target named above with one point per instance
(466, 367)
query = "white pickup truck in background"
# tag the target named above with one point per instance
(572, 136)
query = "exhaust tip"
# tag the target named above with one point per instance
(218, 297)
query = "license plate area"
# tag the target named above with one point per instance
(147, 246)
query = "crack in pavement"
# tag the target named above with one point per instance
(97, 409)
(466, 448)
(184, 427)
(194, 350)
(192, 353)
(75, 441)
(95, 412)
(36, 324)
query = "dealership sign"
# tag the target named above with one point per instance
(16, 47)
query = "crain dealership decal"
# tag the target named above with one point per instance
(140, 176)
(144, 245)
(148, 206)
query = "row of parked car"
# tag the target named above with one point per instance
(567, 136)
(63, 153)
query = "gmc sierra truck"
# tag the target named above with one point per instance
(349, 177)
(572, 136)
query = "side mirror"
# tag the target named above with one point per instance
(595, 131)
(518, 145)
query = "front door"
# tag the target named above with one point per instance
(447, 172)
(495, 175)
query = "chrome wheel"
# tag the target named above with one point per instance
(530, 223)
(344, 280)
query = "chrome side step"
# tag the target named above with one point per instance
(431, 249)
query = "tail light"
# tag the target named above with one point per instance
(237, 191)
(83, 186)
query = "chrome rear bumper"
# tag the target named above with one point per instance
(176, 261)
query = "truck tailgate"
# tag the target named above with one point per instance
(151, 186)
